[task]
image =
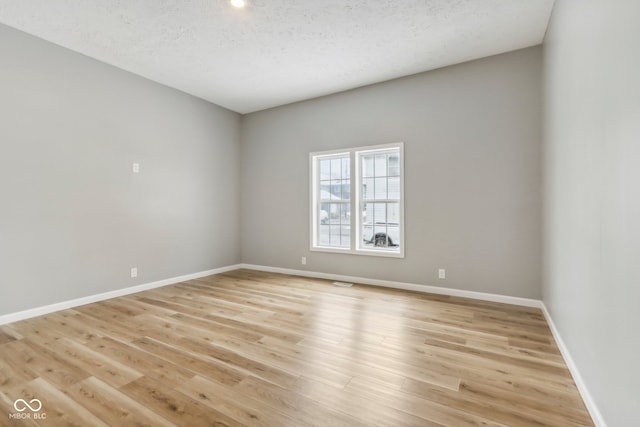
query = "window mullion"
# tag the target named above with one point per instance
(355, 212)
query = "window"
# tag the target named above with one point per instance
(368, 181)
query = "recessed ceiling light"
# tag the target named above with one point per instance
(238, 3)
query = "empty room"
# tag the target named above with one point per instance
(319, 213)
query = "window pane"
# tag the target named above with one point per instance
(394, 188)
(368, 189)
(335, 235)
(394, 235)
(380, 188)
(336, 168)
(367, 232)
(367, 166)
(380, 213)
(325, 190)
(346, 173)
(346, 189)
(345, 213)
(393, 213)
(381, 225)
(336, 190)
(394, 164)
(345, 236)
(334, 213)
(380, 167)
(375, 213)
(325, 169)
(367, 215)
(323, 215)
(323, 237)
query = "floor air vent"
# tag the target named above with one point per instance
(343, 284)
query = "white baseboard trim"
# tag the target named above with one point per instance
(595, 413)
(46, 309)
(527, 302)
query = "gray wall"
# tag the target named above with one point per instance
(472, 135)
(592, 195)
(73, 217)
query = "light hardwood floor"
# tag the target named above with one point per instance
(252, 348)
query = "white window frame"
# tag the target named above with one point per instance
(355, 246)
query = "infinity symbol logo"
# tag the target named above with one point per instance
(26, 405)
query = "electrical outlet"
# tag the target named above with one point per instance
(134, 272)
(136, 168)
(304, 260)
(442, 273)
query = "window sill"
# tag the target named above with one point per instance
(365, 252)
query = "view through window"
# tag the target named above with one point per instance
(368, 181)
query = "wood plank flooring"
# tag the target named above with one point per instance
(260, 349)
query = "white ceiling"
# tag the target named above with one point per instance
(274, 52)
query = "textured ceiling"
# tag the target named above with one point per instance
(274, 52)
